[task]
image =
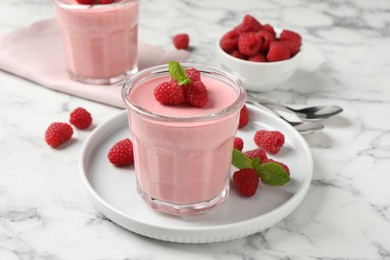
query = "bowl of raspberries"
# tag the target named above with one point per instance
(260, 56)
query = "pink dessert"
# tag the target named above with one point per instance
(183, 153)
(100, 41)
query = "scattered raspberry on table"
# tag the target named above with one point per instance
(181, 41)
(58, 133)
(80, 118)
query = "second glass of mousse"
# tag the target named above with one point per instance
(100, 40)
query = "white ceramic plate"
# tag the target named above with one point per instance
(113, 189)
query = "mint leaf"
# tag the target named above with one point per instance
(240, 160)
(256, 165)
(272, 173)
(178, 73)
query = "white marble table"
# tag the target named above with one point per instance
(44, 213)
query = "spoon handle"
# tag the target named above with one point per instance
(253, 100)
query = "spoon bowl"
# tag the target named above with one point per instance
(307, 113)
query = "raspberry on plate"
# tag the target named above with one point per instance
(238, 143)
(169, 93)
(278, 52)
(257, 153)
(271, 141)
(80, 118)
(58, 133)
(246, 182)
(244, 117)
(121, 153)
(285, 167)
(249, 43)
(196, 94)
(181, 41)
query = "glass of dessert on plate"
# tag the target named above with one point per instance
(183, 120)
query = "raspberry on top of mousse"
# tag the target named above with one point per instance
(185, 87)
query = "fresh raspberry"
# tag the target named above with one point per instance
(278, 52)
(181, 41)
(104, 2)
(193, 74)
(244, 117)
(259, 153)
(259, 57)
(293, 46)
(285, 167)
(238, 143)
(196, 94)
(267, 27)
(237, 54)
(229, 41)
(270, 141)
(121, 153)
(249, 43)
(251, 23)
(246, 182)
(58, 133)
(267, 39)
(169, 93)
(291, 36)
(86, 2)
(80, 118)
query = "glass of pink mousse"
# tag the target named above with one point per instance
(100, 40)
(183, 154)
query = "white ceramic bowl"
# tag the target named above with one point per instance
(259, 76)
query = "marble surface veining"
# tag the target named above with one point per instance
(346, 214)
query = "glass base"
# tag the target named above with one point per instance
(184, 209)
(103, 81)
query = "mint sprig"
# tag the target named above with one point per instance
(273, 174)
(178, 73)
(240, 160)
(270, 173)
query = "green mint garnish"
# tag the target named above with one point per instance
(273, 174)
(270, 173)
(240, 160)
(178, 73)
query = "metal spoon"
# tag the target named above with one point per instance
(307, 113)
(300, 126)
(305, 127)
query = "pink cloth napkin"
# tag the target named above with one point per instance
(35, 53)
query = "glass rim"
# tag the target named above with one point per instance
(232, 81)
(72, 6)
